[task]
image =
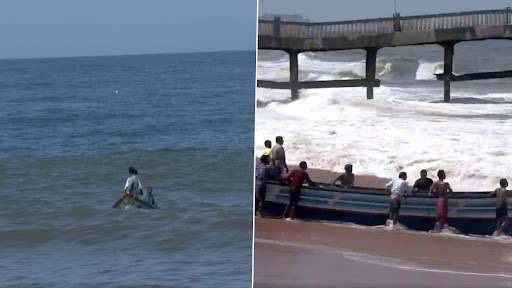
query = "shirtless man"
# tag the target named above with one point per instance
(346, 178)
(296, 178)
(501, 194)
(442, 189)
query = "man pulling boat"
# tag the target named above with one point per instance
(501, 194)
(398, 189)
(441, 189)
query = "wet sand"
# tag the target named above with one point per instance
(308, 254)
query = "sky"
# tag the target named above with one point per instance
(64, 28)
(339, 10)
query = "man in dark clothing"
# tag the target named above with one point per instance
(296, 178)
(347, 178)
(423, 183)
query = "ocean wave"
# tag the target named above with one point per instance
(388, 68)
(399, 129)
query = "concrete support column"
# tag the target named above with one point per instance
(294, 74)
(371, 65)
(448, 69)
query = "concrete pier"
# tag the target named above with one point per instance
(372, 34)
(371, 66)
(294, 74)
(448, 70)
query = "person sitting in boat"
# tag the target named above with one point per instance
(132, 185)
(262, 174)
(148, 197)
(441, 189)
(501, 194)
(296, 179)
(398, 189)
(423, 183)
(346, 178)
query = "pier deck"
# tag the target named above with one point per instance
(372, 34)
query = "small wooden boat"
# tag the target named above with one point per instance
(130, 200)
(468, 212)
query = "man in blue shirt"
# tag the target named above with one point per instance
(262, 173)
(148, 197)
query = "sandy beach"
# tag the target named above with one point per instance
(305, 254)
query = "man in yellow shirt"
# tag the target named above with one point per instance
(268, 148)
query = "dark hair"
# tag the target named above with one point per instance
(264, 159)
(402, 175)
(268, 143)
(441, 173)
(132, 170)
(279, 139)
(348, 166)
(503, 182)
(423, 171)
(303, 165)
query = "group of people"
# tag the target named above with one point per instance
(134, 187)
(273, 166)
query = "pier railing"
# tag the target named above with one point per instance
(384, 25)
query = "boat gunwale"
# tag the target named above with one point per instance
(382, 192)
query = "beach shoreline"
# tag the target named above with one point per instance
(287, 241)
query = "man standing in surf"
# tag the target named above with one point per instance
(501, 194)
(296, 178)
(398, 189)
(442, 189)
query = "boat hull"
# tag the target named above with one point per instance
(470, 212)
(129, 200)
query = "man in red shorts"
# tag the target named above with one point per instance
(296, 178)
(442, 189)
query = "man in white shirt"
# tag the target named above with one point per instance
(398, 189)
(132, 185)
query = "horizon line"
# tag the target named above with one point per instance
(124, 55)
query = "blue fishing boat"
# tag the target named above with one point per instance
(130, 200)
(468, 212)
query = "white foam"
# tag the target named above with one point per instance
(398, 130)
(426, 70)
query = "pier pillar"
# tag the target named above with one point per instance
(294, 74)
(448, 70)
(371, 65)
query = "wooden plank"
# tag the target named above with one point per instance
(319, 84)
